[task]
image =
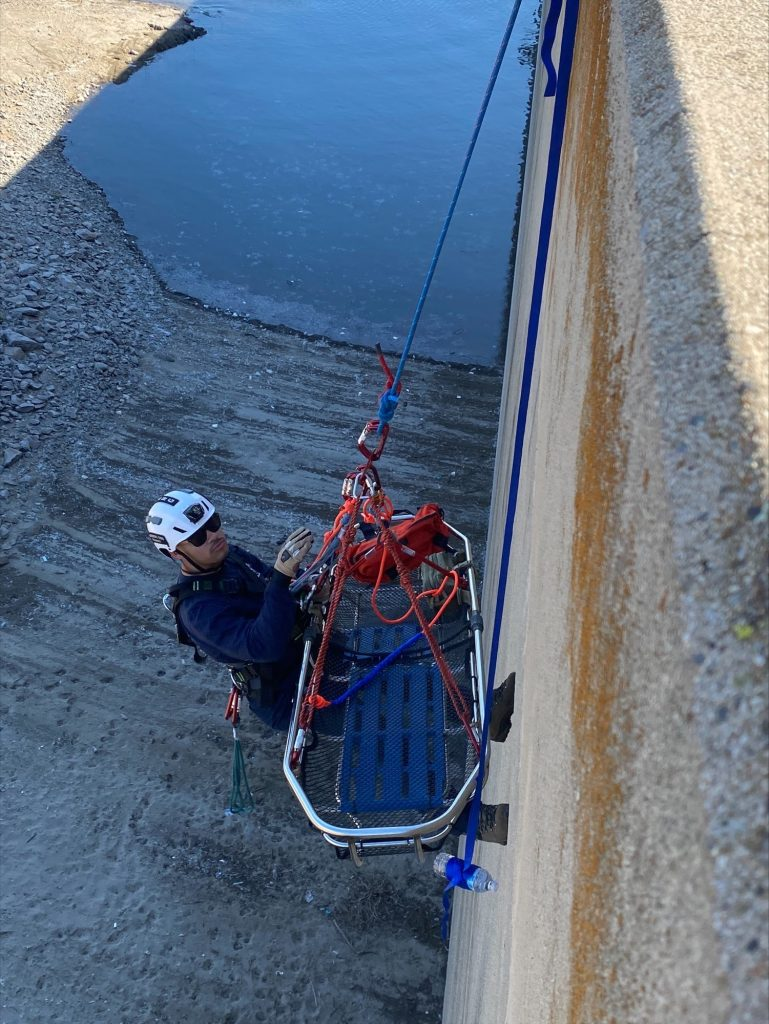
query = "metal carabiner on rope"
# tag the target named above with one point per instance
(363, 481)
(380, 430)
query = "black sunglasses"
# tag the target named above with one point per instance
(212, 525)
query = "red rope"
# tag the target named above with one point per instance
(377, 508)
(455, 694)
(341, 574)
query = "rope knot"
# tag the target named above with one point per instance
(388, 403)
(314, 700)
(459, 874)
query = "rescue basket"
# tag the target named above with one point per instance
(390, 759)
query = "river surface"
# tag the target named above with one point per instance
(295, 165)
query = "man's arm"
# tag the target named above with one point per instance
(221, 629)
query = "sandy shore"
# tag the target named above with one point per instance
(127, 893)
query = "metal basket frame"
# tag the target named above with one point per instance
(395, 838)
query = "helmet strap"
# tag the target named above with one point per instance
(192, 561)
(200, 568)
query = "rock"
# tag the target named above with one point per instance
(25, 269)
(14, 352)
(22, 341)
(11, 456)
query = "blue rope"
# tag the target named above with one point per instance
(388, 403)
(379, 667)
(543, 244)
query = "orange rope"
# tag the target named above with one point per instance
(425, 593)
(452, 688)
(374, 508)
(377, 511)
(312, 697)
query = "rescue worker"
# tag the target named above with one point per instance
(231, 606)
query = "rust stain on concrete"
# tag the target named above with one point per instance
(598, 593)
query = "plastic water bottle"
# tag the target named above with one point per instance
(479, 880)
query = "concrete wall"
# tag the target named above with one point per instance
(633, 888)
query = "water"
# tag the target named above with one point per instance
(296, 163)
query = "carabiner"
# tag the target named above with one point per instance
(372, 427)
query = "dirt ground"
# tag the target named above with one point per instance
(127, 894)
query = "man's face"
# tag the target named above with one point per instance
(207, 547)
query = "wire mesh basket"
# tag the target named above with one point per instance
(390, 766)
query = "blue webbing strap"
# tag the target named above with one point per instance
(457, 875)
(548, 38)
(383, 664)
(543, 244)
(389, 400)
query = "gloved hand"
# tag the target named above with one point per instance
(294, 549)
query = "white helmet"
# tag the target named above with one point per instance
(175, 516)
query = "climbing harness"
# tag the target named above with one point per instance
(259, 682)
(250, 583)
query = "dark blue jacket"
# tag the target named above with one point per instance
(235, 629)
